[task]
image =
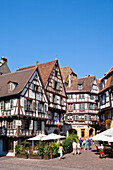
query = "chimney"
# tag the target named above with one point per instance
(3, 60)
(85, 75)
(69, 80)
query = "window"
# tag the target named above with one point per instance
(38, 125)
(89, 105)
(45, 108)
(70, 96)
(75, 117)
(14, 124)
(58, 86)
(27, 104)
(40, 89)
(10, 124)
(26, 124)
(81, 106)
(89, 117)
(81, 96)
(79, 86)
(95, 107)
(92, 97)
(2, 105)
(104, 98)
(11, 104)
(53, 84)
(40, 107)
(67, 107)
(56, 73)
(61, 101)
(53, 98)
(34, 106)
(71, 106)
(7, 105)
(95, 117)
(55, 87)
(74, 106)
(85, 118)
(94, 87)
(11, 86)
(65, 117)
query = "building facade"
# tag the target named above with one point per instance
(105, 100)
(23, 108)
(32, 101)
(55, 90)
(81, 117)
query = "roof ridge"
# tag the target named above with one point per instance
(86, 77)
(47, 62)
(25, 68)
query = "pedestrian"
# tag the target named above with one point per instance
(89, 144)
(74, 144)
(85, 144)
(61, 151)
(101, 151)
(80, 141)
(78, 148)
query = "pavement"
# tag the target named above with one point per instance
(87, 160)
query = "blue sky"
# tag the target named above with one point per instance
(80, 32)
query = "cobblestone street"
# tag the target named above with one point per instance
(86, 160)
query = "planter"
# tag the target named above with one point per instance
(25, 156)
(34, 156)
(46, 157)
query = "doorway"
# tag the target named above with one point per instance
(83, 133)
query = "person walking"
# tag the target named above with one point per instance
(74, 144)
(78, 148)
(89, 144)
(85, 144)
(61, 151)
(80, 141)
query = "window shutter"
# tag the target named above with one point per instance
(2, 105)
(14, 124)
(34, 106)
(53, 84)
(25, 104)
(11, 104)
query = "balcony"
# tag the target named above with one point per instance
(19, 132)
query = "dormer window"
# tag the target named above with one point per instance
(11, 86)
(94, 87)
(79, 86)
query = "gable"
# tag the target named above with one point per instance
(55, 82)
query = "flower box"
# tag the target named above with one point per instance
(35, 156)
(25, 156)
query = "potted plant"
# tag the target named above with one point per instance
(46, 152)
(22, 150)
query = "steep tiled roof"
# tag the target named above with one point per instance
(109, 79)
(66, 71)
(86, 84)
(21, 77)
(45, 70)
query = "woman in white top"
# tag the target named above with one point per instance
(78, 147)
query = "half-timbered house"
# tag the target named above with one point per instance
(105, 101)
(82, 112)
(23, 107)
(55, 90)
